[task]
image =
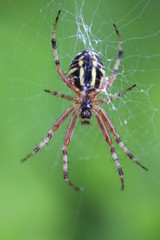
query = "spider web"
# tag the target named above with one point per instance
(83, 25)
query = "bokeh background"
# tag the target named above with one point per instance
(35, 202)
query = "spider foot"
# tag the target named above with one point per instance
(28, 156)
(79, 189)
(122, 182)
(65, 174)
(138, 163)
(121, 176)
(135, 160)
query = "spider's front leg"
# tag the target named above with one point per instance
(50, 133)
(109, 141)
(117, 137)
(68, 136)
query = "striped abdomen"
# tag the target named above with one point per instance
(87, 71)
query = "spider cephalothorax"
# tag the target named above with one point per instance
(86, 114)
(87, 80)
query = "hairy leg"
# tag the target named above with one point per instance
(117, 137)
(109, 141)
(51, 132)
(67, 140)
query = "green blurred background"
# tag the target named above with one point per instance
(35, 202)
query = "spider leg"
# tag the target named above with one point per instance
(51, 132)
(117, 137)
(68, 136)
(114, 97)
(109, 141)
(59, 70)
(117, 63)
(59, 94)
(121, 94)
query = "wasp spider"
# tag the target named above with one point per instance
(87, 79)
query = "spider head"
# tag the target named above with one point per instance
(86, 114)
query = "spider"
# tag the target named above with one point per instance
(87, 79)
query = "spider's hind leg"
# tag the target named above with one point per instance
(117, 63)
(58, 67)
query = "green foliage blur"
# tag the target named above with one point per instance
(35, 202)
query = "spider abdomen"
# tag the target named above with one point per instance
(87, 71)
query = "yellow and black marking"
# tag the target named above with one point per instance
(87, 71)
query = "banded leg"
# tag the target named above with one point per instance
(109, 141)
(68, 136)
(116, 136)
(114, 97)
(117, 63)
(59, 70)
(58, 94)
(50, 133)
